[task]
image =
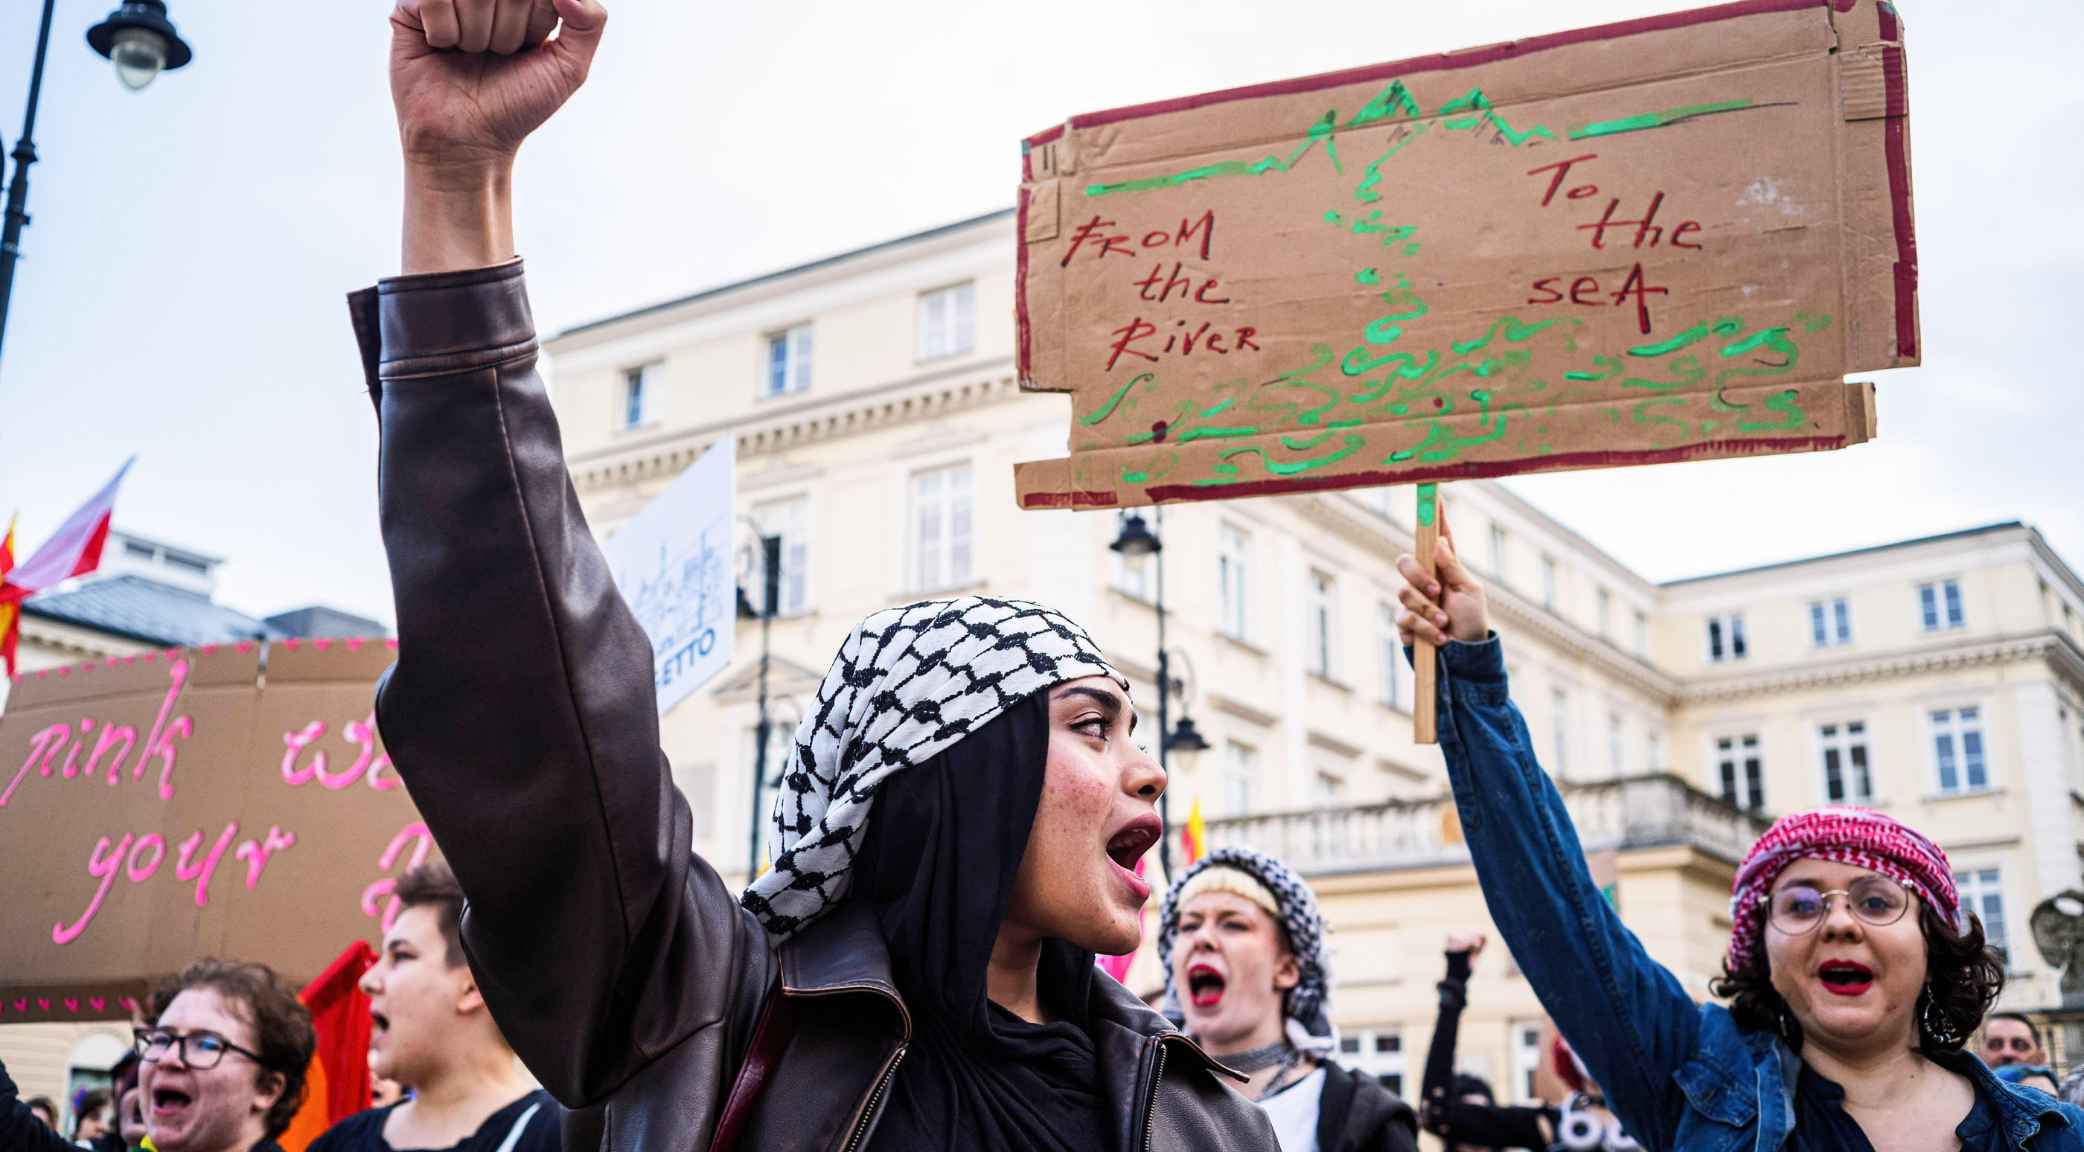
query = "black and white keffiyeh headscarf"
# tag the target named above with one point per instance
(1307, 1004)
(907, 683)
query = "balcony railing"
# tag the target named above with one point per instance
(1633, 812)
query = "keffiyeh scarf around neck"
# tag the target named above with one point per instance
(907, 684)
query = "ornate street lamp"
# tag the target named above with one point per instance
(141, 42)
(1136, 539)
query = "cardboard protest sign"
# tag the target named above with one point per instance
(673, 563)
(1662, 240)
(162, 807)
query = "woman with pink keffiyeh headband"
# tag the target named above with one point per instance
(1854, 973)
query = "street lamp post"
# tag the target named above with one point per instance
(1136, 539)
(770, 581)
(141, 42)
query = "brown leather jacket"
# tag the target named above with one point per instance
(521, 716)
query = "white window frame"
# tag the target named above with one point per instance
(1549, 581)
(1396, 680)
(1321, 629)
(1378, 1052)
(1830, 622)
(918, 577)
(1838, 735)
(1524, 1045)
(1978, 883)
(1739, 769)
(1945, 721)
(947, 324)
(1497, 552)
(1940, 605)
(639, 397)
(1240, 777)
(1559, 732)
(1234, 582)
(1642, 634)
(1616, 751)
(799, 358)
(1724, 638)
(797, 584)
(1606, 615)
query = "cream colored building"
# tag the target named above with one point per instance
(877, 418)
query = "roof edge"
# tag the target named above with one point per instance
(1983, 530)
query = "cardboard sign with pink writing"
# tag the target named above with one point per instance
(162, 807)
(1669, 239)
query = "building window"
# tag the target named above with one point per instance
(944, 543)
(1743, 777)
(1329, 788)
(1726, 638)
(1957, 749)
(1497, 552)
(1830, 622)
(1240, 764)
(1642, 635)
(947, 321)
(790, 520)
(1526, 1062)
(1323, 622)
(1939, 605)
(1378, 1054)
(1548, 583)
(1606, 615)
(1559, 731)
(1653, 751)
(1234, 579)
(1846, 779)
(1615, 756)
(788, 361)
(639, 396)
(1982, 892)
(1389, 647)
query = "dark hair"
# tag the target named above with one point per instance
(1466, 1085)
(2021, 1018)
(49, 1106)
(88, 1103)
(1963, 976)
(433, 885)
(282, 1031)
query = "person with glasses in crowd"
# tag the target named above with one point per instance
(1855, 975)
(224, 1060)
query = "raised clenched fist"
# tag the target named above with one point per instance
(472, 78)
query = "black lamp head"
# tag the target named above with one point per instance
(1135, 538)
(1186, 738)
(141, 42)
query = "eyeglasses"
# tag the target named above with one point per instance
(199, 1050)
(1799, 908)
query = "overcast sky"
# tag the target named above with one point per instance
(181, 295)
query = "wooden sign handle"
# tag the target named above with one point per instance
(1425, 720)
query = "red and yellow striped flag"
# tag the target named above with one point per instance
(1193, 835)
(10, 611)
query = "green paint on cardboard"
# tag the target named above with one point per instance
(1657, 119)
(1428, 503)
(1107, 409)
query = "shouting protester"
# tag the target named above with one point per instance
(1854, 972)
(432, 1031)
(224, 1060)
(957, 824)
(1247, 971)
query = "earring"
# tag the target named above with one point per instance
(1937, 1030)
(1789, 1028)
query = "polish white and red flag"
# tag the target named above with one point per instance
(73, 550)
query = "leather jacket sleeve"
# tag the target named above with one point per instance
(521, 714)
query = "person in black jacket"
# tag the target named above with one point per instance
(1461, 1110)
(1247, 975)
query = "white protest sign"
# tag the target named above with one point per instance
(673, 563)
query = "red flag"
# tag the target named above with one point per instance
(73, 550)
(337, 1085)
(10, 612)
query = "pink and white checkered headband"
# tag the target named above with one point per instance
(1846, 835)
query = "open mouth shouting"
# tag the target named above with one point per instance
(1845, 977)
(1205, 985)
(169, 1106)
(1127, 846)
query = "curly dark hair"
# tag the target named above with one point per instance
(282, 1030)
(1963, 976)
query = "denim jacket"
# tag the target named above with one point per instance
(1682, 1077)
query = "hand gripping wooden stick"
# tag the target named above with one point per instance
(1425, 719)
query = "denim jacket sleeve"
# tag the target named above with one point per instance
(1627, 1017)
